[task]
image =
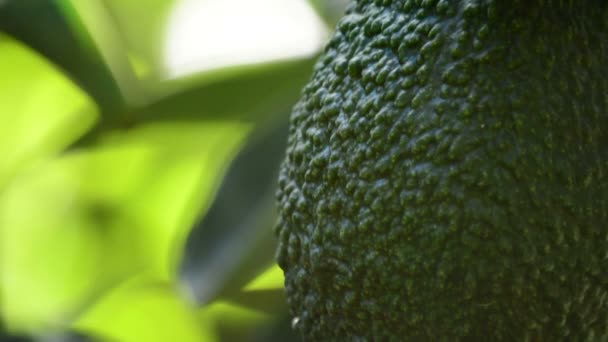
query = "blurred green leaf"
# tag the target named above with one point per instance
(40, 109)
(189, 160)
(161, 177)
(105, 214)
(268, 301)
(281, 330)
(330, 10)
(93, 19)
(235, 323)
(233, 242)
(144, 39)
(272, 278)
(61, 39)
(5, 335)
(72, 336)
(49, 261)
(14, 338)
(145, 310)
(73, 227)
(248, 94)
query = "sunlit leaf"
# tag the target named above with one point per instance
(193, 157)
(50, 252)
(235, 323)
(48, 27)
(73, 227)
(105, 214)
(233, 242)
(270, 279)
(145, 310)
(40, 109)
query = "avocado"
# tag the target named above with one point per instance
(446, 175)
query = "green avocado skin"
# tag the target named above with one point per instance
(446, 175)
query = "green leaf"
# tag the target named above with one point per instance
(145, 310)
(144, 39)
(105, 214)
(8, 336)
(14, 338)
(272, 302)
(125, 206)
(271, 279)
(41, 110)
(330, 10)
(235, 323)
(66, 44)
(281, 330)
(233, 242)
(72, 336)
(247, 94)
(50, 250)
(188, 160)
(93, 19)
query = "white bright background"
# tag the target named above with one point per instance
(208, 34)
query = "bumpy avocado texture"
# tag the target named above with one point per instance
(446, 175)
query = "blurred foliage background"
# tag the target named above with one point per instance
(140, 144)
